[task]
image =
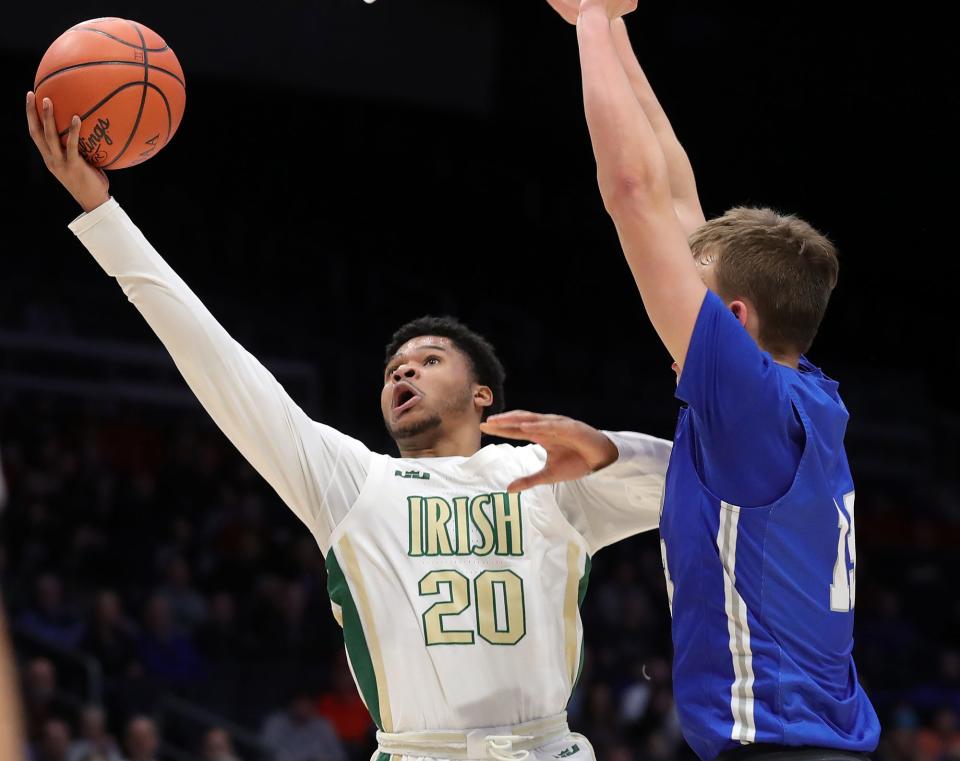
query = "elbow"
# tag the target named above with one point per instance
(630, 189)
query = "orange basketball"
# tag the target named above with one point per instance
(122, 80)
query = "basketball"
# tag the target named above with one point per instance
(122, 80)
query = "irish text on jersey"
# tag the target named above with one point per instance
(479, 525)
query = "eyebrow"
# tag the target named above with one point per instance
(399, 355)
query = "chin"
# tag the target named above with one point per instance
(409, 428)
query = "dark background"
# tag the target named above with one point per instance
(344, 167)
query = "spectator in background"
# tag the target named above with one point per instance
(939, 688)
(187, 605)
(41, 703)
(899, 739)
(620, 753)
(660, 747)
(143, 742)
(627, 711)
(94, 743)
(600, 714)
(49, 619)
(937, 742)
(217, 745)
(309, 567)
(298, 734)
(342, 707)
(286, 626)
(54, 741)
(110, 637)
(165, 652)
(647, 708)
(220, 639)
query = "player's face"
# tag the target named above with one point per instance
(427, 384)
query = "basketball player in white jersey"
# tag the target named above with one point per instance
(458, 593)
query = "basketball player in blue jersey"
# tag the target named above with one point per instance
(757, 523)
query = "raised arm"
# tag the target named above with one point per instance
(683, 183)
(683, 186)
(608, 485)
(316, 470)
(634, 181)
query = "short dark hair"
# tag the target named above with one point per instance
(780, 262)
(487, 369)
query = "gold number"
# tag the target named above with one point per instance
(501, 614)
(513, 626)
(458, 588)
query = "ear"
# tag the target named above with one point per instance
(740, 311)
(482, 397)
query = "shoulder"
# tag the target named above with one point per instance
(329, 434)
(816, 398)
(524, 455)
(505, 460)
(810, 376)
(504, 453)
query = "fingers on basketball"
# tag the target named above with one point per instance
(125, 83)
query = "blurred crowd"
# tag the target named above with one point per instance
(143, 541)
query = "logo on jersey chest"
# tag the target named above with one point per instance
(475, 525)
(412, 474)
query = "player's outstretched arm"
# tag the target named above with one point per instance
(574, 449)
(634, 180)
(683, 184)
(316, 470)
(608, 484)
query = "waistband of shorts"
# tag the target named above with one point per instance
(771, 752)
(474, 743)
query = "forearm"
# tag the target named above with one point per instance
(641, 453)
(628, 153)
(622, 499)
(225, 378)
(635, 186)
(242, 396)
(683, 185)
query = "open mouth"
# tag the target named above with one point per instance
(405, 396)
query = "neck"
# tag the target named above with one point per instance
(463, 442)
(787, 360)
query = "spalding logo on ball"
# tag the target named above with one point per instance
(125, 84)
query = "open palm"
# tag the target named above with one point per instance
(574, 449)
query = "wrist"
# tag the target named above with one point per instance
(589, 8)
(607, 454)
(89, 203)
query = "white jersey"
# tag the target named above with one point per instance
(459, 602)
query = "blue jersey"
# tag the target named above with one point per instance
(759, 553)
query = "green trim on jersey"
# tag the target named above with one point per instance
(354, 638)
(584, 580)
(581, 593)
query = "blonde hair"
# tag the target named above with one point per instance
(785, 267)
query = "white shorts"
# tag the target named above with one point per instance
(573, 747)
